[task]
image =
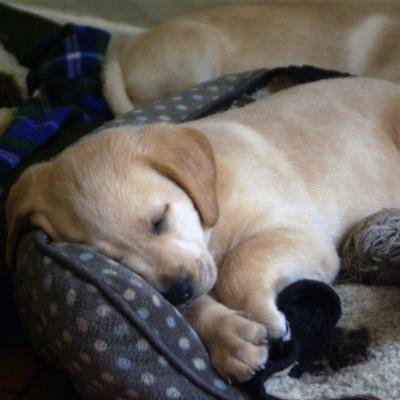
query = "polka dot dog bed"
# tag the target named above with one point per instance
(114, 334)
(91, 316)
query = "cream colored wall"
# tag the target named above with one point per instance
(142, 13)
(125, 16)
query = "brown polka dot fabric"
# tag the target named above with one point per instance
(115, 335)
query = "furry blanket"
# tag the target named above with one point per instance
(364, 356)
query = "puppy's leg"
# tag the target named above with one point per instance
(254, 273)
(236, 344)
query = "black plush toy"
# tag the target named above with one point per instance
(312, 310)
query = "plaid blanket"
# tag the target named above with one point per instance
(64, 82)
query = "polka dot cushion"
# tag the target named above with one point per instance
(114, 334)
(193, 103)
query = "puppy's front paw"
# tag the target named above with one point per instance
(276, 323)
(268, 314)
(237, 347)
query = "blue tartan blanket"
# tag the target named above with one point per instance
(63, 82)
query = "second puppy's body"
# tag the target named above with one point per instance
(261, 194)
(361, 38)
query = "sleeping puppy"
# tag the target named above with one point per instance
(228, 210)
(356, 37)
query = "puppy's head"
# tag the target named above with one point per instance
(146, 198)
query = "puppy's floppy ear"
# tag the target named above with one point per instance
(186, 157)
(26, 203)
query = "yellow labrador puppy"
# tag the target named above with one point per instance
(359, 37)
(227, 210)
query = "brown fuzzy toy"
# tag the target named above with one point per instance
(371, 250)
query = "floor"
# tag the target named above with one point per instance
(24, 376)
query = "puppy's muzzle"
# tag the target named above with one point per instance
(180, 291)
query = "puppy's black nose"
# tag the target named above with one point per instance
(180, 292)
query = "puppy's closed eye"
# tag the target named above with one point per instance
(159, 222)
